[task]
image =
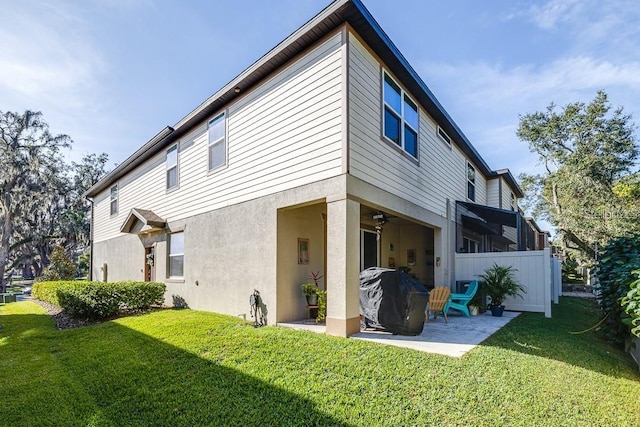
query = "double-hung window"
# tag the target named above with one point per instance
(176, 255)
(172, 167)
(217, 142)
(400, 116)
(471, 182)
(114, 199)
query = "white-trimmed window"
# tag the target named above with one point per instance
(399, 116)
(443, 136)
(514, 202)
(471, 182)
(172, 167)
(470, 246)
(217, 142)
(114, 199)
(175, 264)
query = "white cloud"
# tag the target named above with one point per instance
(566, 76)
(50, 63)
(590, 24)
(553, 12)
(47, 58)
(487, 105)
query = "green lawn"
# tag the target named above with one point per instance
(185, 368)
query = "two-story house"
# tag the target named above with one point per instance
(329, 154)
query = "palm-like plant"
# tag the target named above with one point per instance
(498, 282)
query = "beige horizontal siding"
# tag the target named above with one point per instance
(282, 134)
(441, 172)
(506, 195)
(493, 193)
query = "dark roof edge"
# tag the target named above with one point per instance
(533, 222)
(467, 147)
(225, 94)
(511, 180)
(128, 164)
(260, 69)
(332, 7)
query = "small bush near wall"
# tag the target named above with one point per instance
(98, 300)
(141, 295)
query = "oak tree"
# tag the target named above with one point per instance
(587, 190)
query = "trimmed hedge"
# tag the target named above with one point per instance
(98, 300)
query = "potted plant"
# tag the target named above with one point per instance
(310, 291)
(497, 283)
(477, 305)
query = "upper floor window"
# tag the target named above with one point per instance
(400, 116)
(443, 136)
(514, 202)
(172, 167)
(114, 199)
(217, 142)
(471, 182)
(175, 266)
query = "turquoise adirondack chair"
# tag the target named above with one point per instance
(460, 301)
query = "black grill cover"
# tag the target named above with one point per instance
(393, 300)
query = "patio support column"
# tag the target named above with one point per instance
(343, 267)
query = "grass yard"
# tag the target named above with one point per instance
(189, 368)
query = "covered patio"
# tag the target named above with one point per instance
(455, 338)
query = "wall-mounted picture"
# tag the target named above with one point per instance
(411, 257)
(303, 251)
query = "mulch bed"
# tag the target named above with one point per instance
(62, 319)
(66, 321)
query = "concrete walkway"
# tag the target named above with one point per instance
(574, 294)
(454, 339)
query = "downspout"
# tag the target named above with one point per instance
(450, 265)
(90, 241)
(519, 231)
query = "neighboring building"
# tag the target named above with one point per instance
(537, 239)
(328, 154)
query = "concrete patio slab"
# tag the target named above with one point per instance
(454, 339)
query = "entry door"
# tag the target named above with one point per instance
(369, 252)
(150, 264)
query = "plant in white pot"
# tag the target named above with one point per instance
(497, 283)
(311, 289)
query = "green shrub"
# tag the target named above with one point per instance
(322, 306)
(631, 304)
(48, 291)
(620, 259)
(99, 300)
(141, 295)
(60, 266)
(94, 300)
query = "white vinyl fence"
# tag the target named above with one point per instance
(538, 272)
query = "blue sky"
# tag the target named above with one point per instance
(112, 73)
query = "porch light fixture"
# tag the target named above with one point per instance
(381, 220)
